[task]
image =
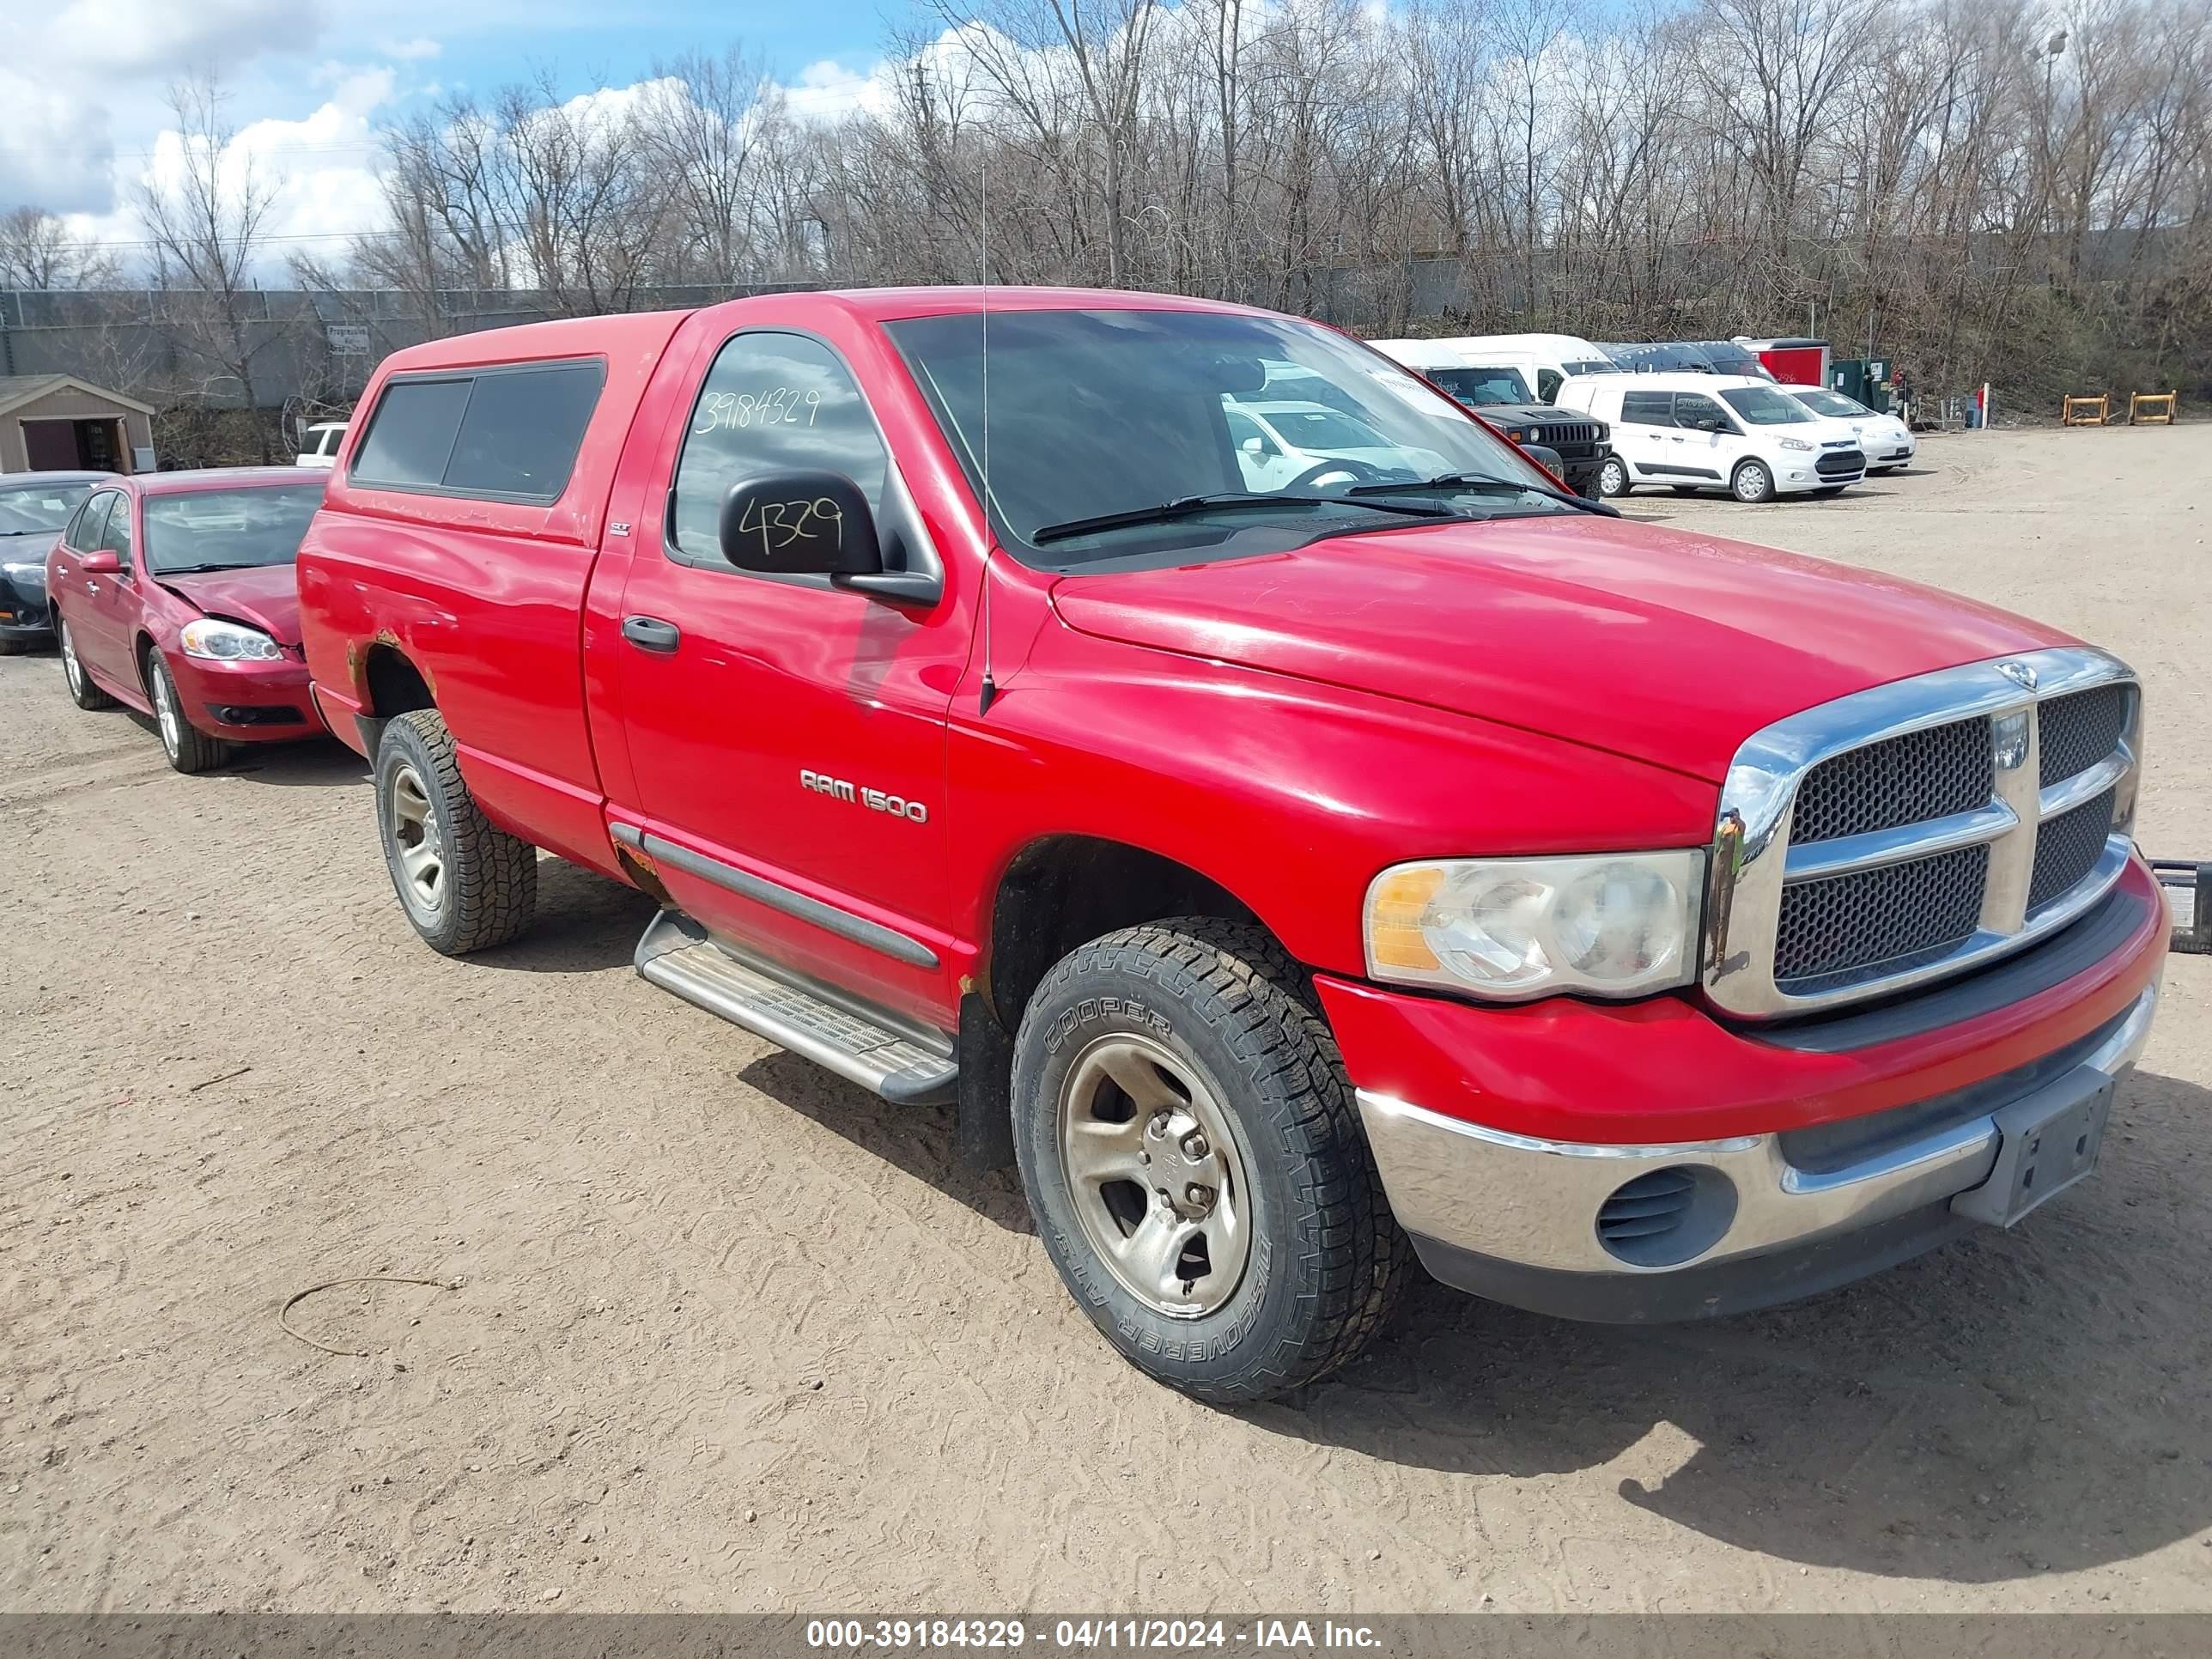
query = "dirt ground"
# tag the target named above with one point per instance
(730, 1334)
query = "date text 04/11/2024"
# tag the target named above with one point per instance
(1083, 1635)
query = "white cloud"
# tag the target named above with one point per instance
(417, 50)
(827, 89)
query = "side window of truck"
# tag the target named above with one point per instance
(506, 433)
(772, 401)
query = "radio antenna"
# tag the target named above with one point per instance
(990, 689)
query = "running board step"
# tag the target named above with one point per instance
(809, 1019)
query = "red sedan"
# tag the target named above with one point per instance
(173, 593)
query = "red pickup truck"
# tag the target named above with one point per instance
(1295, 875)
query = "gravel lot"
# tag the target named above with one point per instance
(728, 1333)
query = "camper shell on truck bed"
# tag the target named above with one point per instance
(1405, 860)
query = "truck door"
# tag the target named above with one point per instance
(789, 732)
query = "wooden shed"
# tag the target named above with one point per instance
(55, 423)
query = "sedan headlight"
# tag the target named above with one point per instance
(1795, 443)
(228, 642)
(31, 575)
(1608, 924)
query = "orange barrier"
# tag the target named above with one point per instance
(2086, 412)
(2145, 407)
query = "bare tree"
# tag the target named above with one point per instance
(207, 224)
(37, 251)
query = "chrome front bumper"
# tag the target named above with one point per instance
(1517, 1217)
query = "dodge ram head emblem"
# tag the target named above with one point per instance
(2019, 673)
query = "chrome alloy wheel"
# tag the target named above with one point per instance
(1156, 1176)
(415, 837)
(165, 712)
(72, 669)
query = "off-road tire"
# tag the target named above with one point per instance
(1326, 1257)
(189, 750)
(1752, 481)
(491, 877)
(84, 691)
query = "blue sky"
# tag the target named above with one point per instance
(310, 81)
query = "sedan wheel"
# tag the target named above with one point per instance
(189, 749)
(83, 692)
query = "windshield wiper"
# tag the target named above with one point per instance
(1469, 483)
(1231, 500)
(203, 569)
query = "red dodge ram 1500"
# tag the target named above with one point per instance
(1406, 856)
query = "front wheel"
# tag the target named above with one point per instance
(1191, 1151)
(83, 689)
(1613, 477)
(1752, 482)
(464, 883)
(189, 749)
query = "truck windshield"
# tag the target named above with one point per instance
(1763, 407)
(227, 529)
(1485, 388)
(1099, 413)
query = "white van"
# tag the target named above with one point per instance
(1544, 359)
(318, 443)
(1693, 432)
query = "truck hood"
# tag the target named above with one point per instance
(1655, 644)
(266, 597)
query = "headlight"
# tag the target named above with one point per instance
(33, 575)
(1795, 443)
(1608, 924)
(1604, 433)
(228, 642)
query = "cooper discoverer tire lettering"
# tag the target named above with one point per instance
(465, 883)
(1157, 1042)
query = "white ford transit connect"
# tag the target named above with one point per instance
(1693, 432)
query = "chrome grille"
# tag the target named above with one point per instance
(2067, 847)
(1911, 832)
(1907, 779)
(1872, 919)
(2080, 731)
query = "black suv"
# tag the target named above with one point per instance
(1502, 397)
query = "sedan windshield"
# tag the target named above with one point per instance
(1111, 414)
(1832, 402)
(39, 509)
(227, 529)
(1485, 388)
(1763, 407)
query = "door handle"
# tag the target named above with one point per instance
(651, 634)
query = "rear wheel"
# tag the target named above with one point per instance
(189, 749)
(466, 883)
(1190, 1148)
(82, 692)
(1752, 482)
(1613, 477)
